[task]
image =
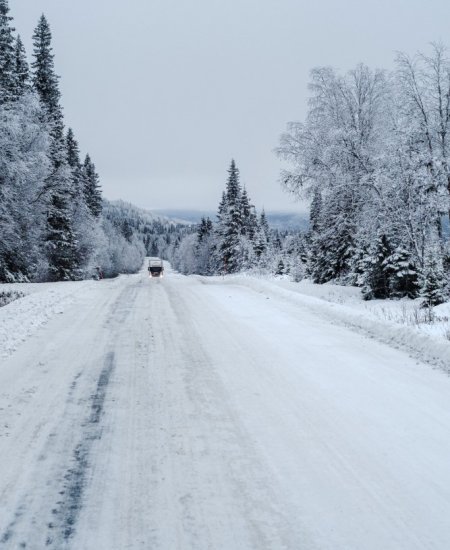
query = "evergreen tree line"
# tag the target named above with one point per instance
(51, 222)
(374, 157)
(239, 240)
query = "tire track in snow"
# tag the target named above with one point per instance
(67, 510)
(45, 512)
(9, 531)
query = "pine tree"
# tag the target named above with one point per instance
(92, 189)
(332, 247)
(433, 289)
(8, 77)
(204, 249)
(45, 80)
(73, 150)
(230, 227)
(249, 219)
(280, 268)
(376, 275)
(82, 218)
(61, 240)
(62, 245)
(204, 229)
(260, 245)
(264, 224)
(222, 207)
(73, 160)
(127, 231)
(315, 211)
(22, 69)
(402, 273)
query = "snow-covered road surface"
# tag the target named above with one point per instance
(184, 414)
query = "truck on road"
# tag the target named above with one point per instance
(155, 267)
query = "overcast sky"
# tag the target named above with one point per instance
(163, 93)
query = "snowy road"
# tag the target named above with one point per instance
(187, 414)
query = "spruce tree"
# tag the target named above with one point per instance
(127, 230)
(73, 150)
(22, 68)
(332, 246)
(61, 240)
(280, 270)
(222, 207)
(230, 228)
(92, 189)
(264, 224)
(433, 284)
(249, 219)
(376, 275)
(402, 273)
(45, 80)
(62, 245)
(315, 211)
(73, 160)
(204, 229)
(8, 77)
(83, 221)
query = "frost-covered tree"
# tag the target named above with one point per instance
(333, 156)
(403, 274)
(248, 215)
(24, 168)
(92, 189)
(238, 241)
(434, 283)
(22, 69)
(374, 155)
(47, 229)
(230, 223)
(377, 282)
(45, 79)
(205, 248)
(315, 211)
(8, 75)
(62, 245)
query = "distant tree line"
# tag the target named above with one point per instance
(374, 157)
(52, 227)
(238, 240)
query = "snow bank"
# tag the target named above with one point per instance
(317, 298)
(22, 318)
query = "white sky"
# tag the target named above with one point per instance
(162, 93)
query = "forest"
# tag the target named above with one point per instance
(371, 156)
(238, 240)
(54, 223)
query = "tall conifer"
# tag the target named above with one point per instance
(45, 80)
(62, 246)
(231, 222)
(21, 67)
(7, 55)
(92, 187)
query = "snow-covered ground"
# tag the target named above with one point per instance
(236, 413)
(402, 323)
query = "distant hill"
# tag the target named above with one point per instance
(128, 210)
(277, 220)
(185, 216)
(288, 220)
